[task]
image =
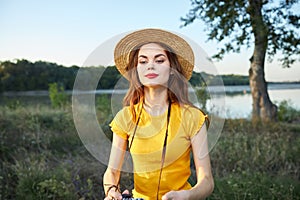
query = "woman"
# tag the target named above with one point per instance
(158, 123)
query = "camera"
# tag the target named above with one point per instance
(129, 197)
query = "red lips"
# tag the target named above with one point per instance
(151, 75)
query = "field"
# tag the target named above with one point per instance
(42, 156)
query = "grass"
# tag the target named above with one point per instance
(42, 157)
(257, 161)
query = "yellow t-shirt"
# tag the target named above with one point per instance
(147, 145)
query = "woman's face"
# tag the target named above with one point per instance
(153, 65)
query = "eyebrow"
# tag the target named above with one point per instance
(156, 56)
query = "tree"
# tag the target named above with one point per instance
(271, 26)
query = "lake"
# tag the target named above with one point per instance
(238, 99)
(237, 102)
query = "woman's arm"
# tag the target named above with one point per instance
(205, 182)
(112, 174)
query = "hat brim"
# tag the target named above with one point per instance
(180, 47)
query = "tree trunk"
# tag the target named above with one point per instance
(262, 107)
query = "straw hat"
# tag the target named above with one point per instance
(180, 47)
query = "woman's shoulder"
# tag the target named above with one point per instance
(190, 110)
(124, 112)
(127, 113)
(122, 121)
(192, 119)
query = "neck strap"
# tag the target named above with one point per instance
(164, 149)
(164, 145)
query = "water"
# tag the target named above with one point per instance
(236, 104)
(239, 105)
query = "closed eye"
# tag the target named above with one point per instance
(160, 61)
(142, 62)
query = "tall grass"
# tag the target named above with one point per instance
(257, 161)
(42, 157)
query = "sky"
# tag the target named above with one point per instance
(67, 32)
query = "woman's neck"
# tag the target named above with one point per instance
(156, 100)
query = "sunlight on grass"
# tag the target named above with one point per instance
(42, 157)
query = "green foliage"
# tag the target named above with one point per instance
(233, 79)
(57, 95)
(238, 23)
(13, 104)
(8, 180)
(103, 105)
(35, 129)
(104, 115)
(109, 78)
(287, 113)
(197, 79)
(267, 148)
(202, 78)
(42, 157)
(255, 186)
(54, 189)
(202, 96)
(23, 75)
(37, 182)
(256, 161)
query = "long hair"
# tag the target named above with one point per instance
(177, 85)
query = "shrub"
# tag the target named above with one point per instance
(36, 182)
(104, 114)
(202, 96)
(57, 95)
(286, 112)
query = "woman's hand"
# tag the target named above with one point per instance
(113, 194)
(116, 195)
(176, 195)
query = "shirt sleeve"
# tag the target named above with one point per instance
(120, 124)
(195, 119)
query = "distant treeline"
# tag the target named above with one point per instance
(23, 75)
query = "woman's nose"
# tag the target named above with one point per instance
(150, 66)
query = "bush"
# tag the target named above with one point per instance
(104, 115)
(203, 97)
(57, 95)
(37, 181)
(8, 180)
(286, 113)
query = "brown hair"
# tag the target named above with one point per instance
(177, 86)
